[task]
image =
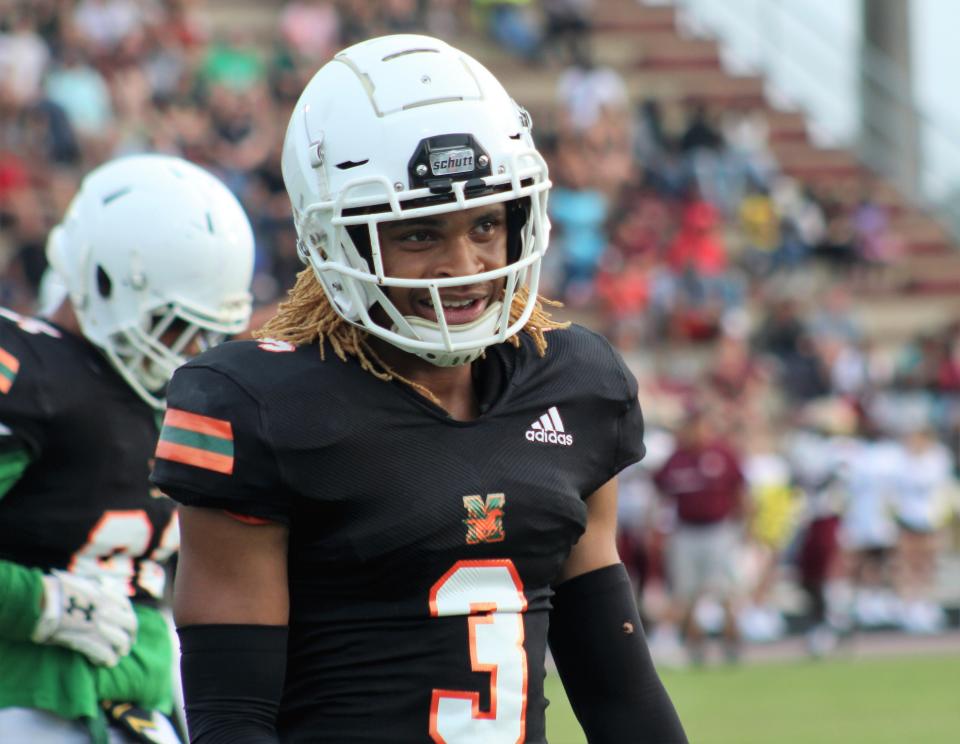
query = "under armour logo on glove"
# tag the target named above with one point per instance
(74, 607)
(90, 616)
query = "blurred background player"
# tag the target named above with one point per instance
(774, 507)
(924, 481)
(868, 530)
(820, 451)
(703, 482)
(417, 471)
(156, 257)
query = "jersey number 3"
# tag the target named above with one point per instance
(490, 594)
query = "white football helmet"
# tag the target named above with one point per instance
(157, 258)
(401, 127)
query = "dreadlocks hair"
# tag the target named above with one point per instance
(307, 316)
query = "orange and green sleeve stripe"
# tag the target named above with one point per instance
(9, 366)
(200, 441)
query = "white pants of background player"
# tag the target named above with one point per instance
(34, 726)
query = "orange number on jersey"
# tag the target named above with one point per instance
(490, 594)
(152, 576)
(116, 540)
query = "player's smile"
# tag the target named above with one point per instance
(447, 245)
(457, 308)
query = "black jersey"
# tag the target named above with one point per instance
(421, 548)
(84, 503)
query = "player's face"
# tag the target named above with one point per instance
(454, 244)
(171, 339)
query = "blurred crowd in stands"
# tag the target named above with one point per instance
(85, 80)
(781, 433)
(785, 441)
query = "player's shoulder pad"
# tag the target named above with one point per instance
(25, 345)
(256, 365)
(579, 353)
(214, 448)
(221, 381)
(228, 392)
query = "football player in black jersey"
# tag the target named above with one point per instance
(156, 258)
(397, 493)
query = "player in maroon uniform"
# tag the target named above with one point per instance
(703, 483)
(393, 500)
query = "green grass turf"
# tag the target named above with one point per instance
(908, 700)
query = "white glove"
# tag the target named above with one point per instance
(86, 615)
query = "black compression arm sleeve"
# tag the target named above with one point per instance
(232, 681)
(602, 656)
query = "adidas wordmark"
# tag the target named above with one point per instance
(549, 429)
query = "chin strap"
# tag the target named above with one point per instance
(483, 326)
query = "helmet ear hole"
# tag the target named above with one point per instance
(104, 283)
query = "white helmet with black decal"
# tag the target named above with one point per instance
(403, 127)
(157, 257)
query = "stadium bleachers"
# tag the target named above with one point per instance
(658, 60)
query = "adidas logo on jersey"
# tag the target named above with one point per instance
(549, 429)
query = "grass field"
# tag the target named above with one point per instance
(909, 700)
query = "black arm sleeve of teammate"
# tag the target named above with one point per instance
(232, 681)
(602, 656)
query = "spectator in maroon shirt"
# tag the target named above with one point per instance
(703, 482)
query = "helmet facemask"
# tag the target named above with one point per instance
(353, 275)
(147, 355)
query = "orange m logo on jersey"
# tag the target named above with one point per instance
(484, 518)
